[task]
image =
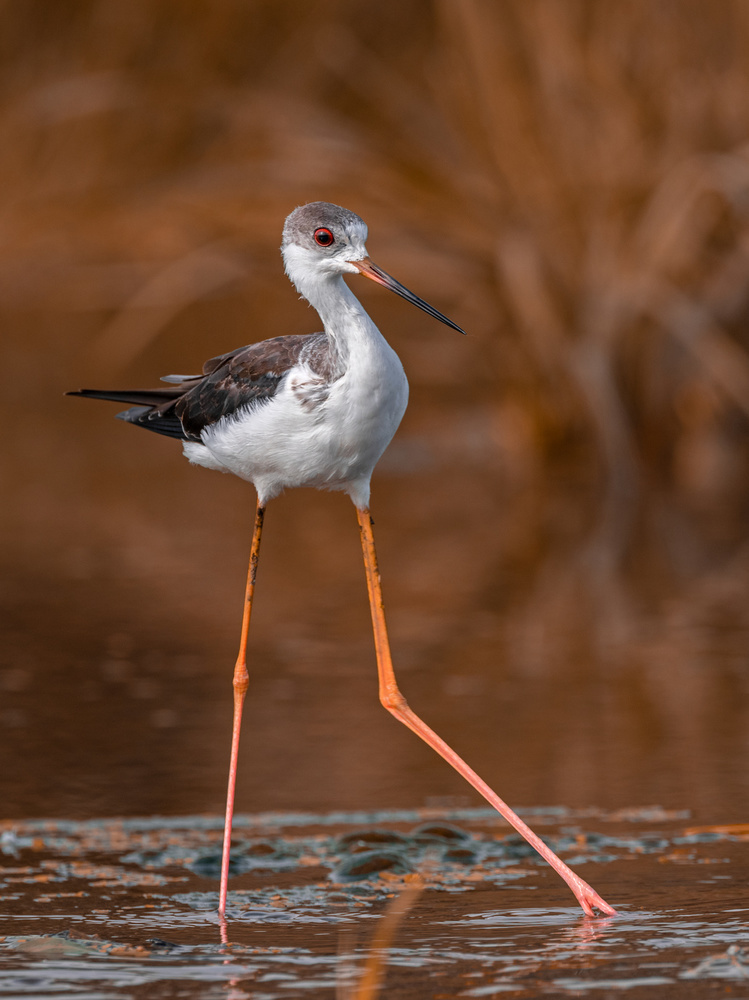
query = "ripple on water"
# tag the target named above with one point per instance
(136, 900)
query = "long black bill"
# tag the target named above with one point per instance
(375, 273)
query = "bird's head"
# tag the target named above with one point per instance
(320, 240)
(323, 241)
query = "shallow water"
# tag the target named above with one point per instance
(581, 686)
(126, 908)
(585, 685)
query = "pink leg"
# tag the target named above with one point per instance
(241, 682)
(396, 704)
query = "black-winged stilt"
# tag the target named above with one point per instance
(315, 410)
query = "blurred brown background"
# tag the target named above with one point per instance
(562, 518)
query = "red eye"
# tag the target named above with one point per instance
(324, 238)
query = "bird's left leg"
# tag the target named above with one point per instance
(395, 703)
(241, 683)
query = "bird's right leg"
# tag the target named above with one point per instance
(241, 683)
(396, 704)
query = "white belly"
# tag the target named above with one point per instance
(329, 443)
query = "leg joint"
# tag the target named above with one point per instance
(241, 679)
(393, 701)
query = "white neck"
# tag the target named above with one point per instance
(344, 317)
(342, 313)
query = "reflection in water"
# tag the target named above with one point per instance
(372, 975)
(561, 687)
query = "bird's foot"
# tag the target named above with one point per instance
(590, 901)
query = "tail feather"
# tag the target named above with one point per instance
(167, 423)
(142, 397)
(153, 408)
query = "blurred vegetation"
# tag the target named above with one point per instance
(570, 180)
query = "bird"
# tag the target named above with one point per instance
(311, 410)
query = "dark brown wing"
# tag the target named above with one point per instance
(249, 376)
(246, 377)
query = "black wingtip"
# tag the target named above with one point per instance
(89, 393)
